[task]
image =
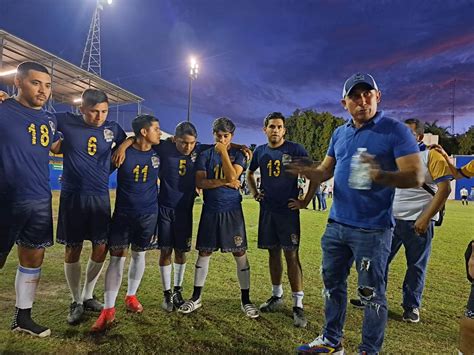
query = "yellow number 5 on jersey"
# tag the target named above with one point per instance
(182, 167)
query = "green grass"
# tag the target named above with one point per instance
(220, 326)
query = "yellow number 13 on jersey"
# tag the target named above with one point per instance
(44, 134)
(273, 168)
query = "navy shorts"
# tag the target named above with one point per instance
(27, 223)
(139, 230)
(83, 217)
(175, 228)
(222, 230)
(279, 230)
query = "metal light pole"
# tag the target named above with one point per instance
(193, 73)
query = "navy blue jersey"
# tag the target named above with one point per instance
(277, 185)
(87, 150)
(137, 189)
(177, 175)
(26, 136)
(220, 199)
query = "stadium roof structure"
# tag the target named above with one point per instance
(68, 80)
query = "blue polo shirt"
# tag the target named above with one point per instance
(385, 138)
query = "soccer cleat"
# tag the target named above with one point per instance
(272, 304)
(22, 322)
(190, 306)
(92, 305)
(299, 320)
(133, 305)
(357, 303)
(411, 315)
(321, 345)
(250, 310)
(105, 320)
(177, 298)
(167, 304)
(76, 310)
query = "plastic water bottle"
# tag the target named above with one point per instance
(359, 177)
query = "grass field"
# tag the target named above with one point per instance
(220, 326)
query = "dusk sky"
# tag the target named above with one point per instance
(258, 56)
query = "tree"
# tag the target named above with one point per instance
(466, 142)
(449, 142)
(313, 130)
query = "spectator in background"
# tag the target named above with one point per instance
(464, 195)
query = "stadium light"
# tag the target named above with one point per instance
(193, 74)
(109, 2)
(8, 72)
(78, 100)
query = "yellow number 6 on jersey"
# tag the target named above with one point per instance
(92, 146)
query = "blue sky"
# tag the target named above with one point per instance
(258, 56)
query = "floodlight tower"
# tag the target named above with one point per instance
(193, 74)
(91, 56)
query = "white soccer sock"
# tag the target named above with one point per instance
(113, 279)
(73, 278)
(243, 271)
(179, 270)
(26, 282)
(135, 272)
(92, 275)
(165, 272)
(277, 290)
(298, 299)
(200, 273)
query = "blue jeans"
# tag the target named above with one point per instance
(323, 201)
(370, 249)
(417, 252)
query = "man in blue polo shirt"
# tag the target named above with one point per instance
(360, 220)
(28, 133)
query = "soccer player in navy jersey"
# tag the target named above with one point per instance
(134, 219)
(176, 201)
(222, 222)
(84, 205)
(27, 133)
(279, 222)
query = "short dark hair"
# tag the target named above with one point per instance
(273, 116)
(92, 97)
(185, 128)
(23, 68)
(223, 124)
(142, 121)
(419, 126)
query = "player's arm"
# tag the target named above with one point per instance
(439, 199)
(441, 174)
(252, 184)
(118, 156)
(56, 147)
(3, 96)
(202, 182)
(314, 172)
(244, 149)
(230, 171)
(456, 173)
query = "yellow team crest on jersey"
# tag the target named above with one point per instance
(108, 135)
(238, 240)
(294, 238)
